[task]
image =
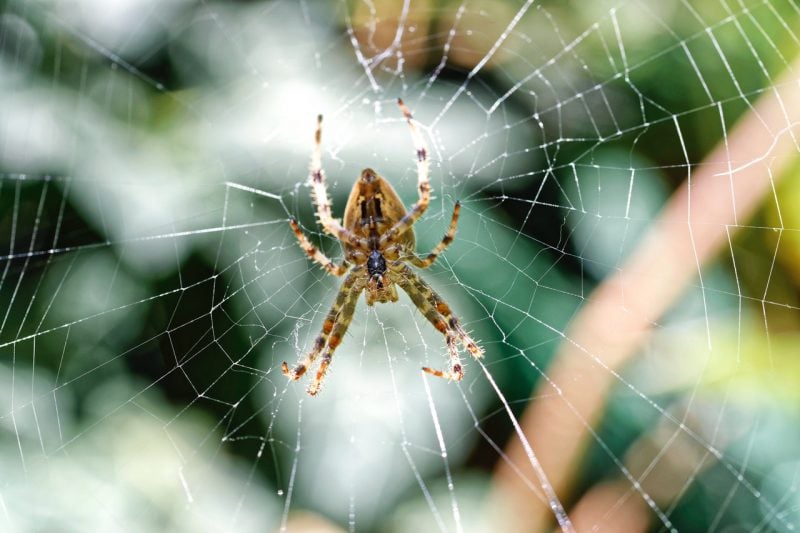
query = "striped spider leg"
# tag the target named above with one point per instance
(333, 329)
(314, 253)
(438, 313)
(319, 194)
(405, 222)
(378, 240)
(443, 244)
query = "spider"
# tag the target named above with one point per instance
(378, 242)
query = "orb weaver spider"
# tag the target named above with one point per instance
(378, 241)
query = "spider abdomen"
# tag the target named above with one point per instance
(372, 208)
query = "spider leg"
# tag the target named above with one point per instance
(423, 303)
(443, 244)
(339, 329)
(319, 194)
(452, 321)
(314, 253)
(423, 184)
(439, 314)
(349, 291)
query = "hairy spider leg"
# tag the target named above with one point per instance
(443, 244)
(452, 321)
(314, 253)
(423, 184)
(319, 194)
(339, 330)
(350, 289)
(439, 314)
(410, 283)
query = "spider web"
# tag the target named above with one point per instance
(626, 254)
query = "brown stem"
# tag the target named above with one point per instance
(715, 200)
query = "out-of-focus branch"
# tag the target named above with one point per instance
(716, 199)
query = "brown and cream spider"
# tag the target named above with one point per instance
(378, 241)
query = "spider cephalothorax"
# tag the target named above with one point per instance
(378, 241)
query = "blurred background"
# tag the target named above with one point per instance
(152, 152)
